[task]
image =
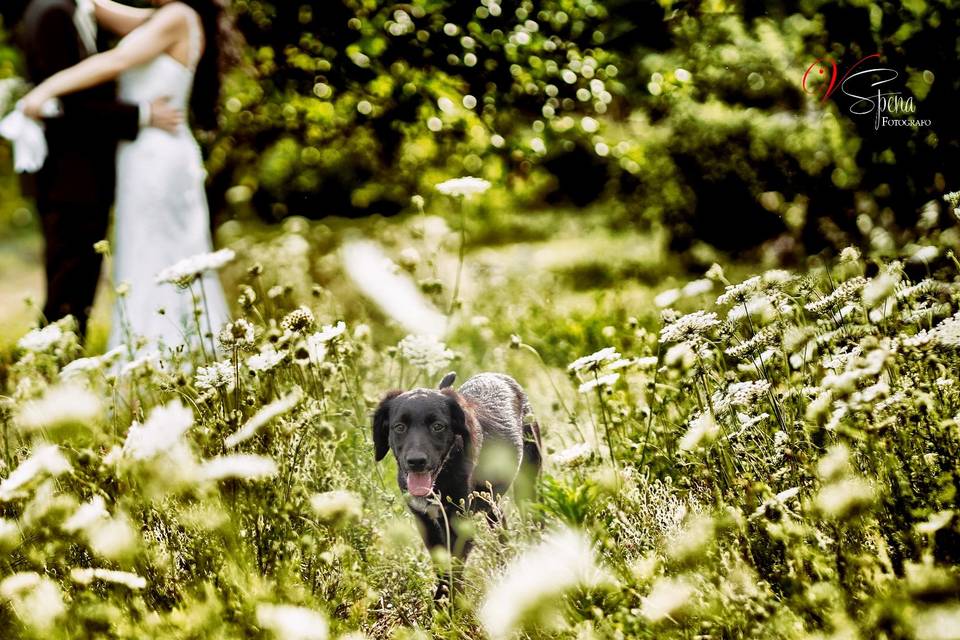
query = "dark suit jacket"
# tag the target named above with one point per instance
(81, 164)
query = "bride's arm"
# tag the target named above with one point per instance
(119, 18)
(148, 42)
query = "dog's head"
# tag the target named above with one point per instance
(423, 428)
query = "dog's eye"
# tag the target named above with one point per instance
(437, 427)
(399, 427)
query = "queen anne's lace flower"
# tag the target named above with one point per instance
(185, 271)
(738, 292)
(241, 466)
(593, 361)
(838, 297)
(162, 432)
(47, 460)
(265, 360)
(40, 340)
(572, 456)
(288, 622)
(330, 332)
(563, 561)
(464, 187)
(692, 325)
(217, 375)
(127, 579)
(267, 414)
(426, 352)
(607, 380)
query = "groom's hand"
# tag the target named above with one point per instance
(163, 116)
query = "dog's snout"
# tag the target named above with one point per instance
(416, 462)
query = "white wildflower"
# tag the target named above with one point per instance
(844, 293)
(289, 622)
(563, 561)
(844, 498)
(265, 360)
(849, 254)
(426, 352)
(689, 326)
(240, 466)
(87, 515)
(947, 332)
(395, 293)
(466, 187)
(697, 287)
(739, 394)
(35, 599)
(45, 461)
(738, 292)
(573, 456)
(162, 432)
(703, 429)
(217, 375)
(127, 579)
(667, 298)
(147, 360)
(60, 406)
(240, 333)
(337, 506)
(263, 417)
(40, 340)
(924, 254)
(184, 271)
(936, 621)
(594, 360)
(9, 534)
(330, 332)
(667, 598)
(607, 380)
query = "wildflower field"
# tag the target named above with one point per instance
(744, 454)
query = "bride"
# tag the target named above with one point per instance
(161, 215)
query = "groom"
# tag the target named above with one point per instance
(75, 188)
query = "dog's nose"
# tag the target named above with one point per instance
(416, 462)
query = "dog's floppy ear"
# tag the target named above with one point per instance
(458, 418)
(381, 428)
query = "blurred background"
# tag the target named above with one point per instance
(685, 120)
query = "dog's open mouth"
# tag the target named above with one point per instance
(420, 483)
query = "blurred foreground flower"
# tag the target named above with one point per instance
(464, 187)
(239, 466)
(40, 340)
(268, 413)
(337, 506)
(667, 598)
(127, 579)
(396, 294)
(45, 461)
(289, 622)
(35, 599)
(60, 408)
(532, 585)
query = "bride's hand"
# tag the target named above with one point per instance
(32, 104)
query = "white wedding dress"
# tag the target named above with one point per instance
(161, 214)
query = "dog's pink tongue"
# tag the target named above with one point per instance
(419, 483)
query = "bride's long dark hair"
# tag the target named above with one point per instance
(220, 51)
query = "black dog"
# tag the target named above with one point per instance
(459, 451)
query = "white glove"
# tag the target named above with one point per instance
(29, 141)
